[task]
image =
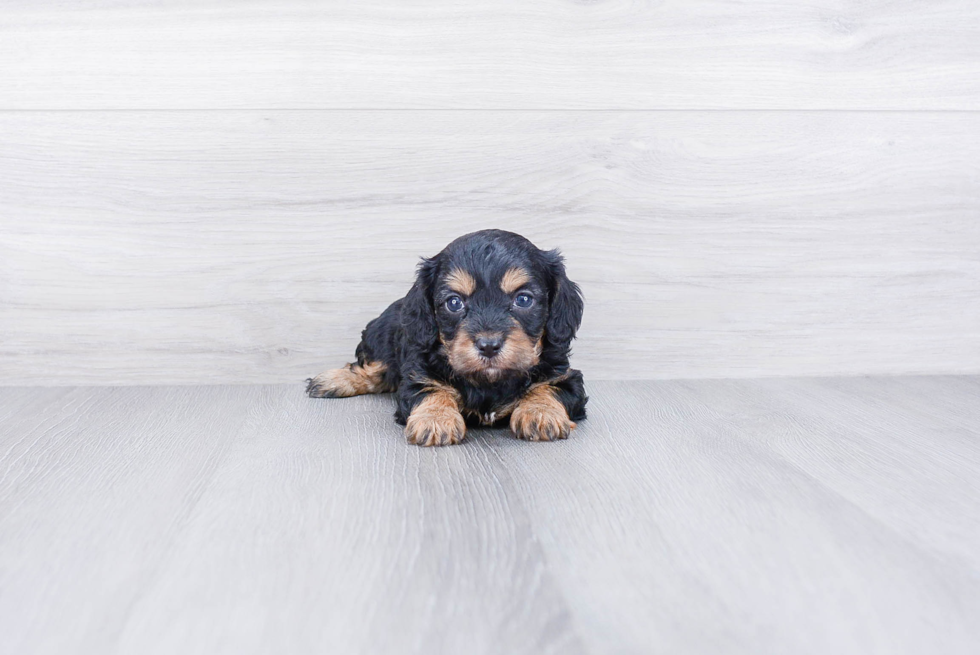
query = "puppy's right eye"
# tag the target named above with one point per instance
(454, 304)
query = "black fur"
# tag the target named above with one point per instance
(406, 336)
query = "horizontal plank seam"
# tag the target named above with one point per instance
(556, 110)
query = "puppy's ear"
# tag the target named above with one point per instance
(418, 315)
(565, 305)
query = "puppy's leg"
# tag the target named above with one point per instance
(436, 420)
(352, 380)
(540, 415)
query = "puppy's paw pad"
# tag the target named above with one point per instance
(435, 427)
(331, 384)
(541, 424)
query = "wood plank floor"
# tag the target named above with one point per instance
(835, 515)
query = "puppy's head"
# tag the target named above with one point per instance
(495, 304)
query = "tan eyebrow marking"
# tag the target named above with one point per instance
(461, 282)
(514, 279)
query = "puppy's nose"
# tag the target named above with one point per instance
(489, 347)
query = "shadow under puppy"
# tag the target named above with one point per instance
(483, 336)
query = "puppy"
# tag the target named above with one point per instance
(482, 337)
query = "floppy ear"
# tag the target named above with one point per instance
(418, 315)
(565, 305)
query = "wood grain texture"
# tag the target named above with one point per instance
(222, 247)
(326, 532)
(768, 516)
(95, 486)
(739, 516)
(321, 531)
(483, 54)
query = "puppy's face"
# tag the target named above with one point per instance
(495, 305)
(491, 313)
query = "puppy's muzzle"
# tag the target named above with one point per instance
(491, 354)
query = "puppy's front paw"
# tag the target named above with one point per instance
(435, 422)
(540, 417)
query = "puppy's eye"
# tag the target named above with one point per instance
(523, 300)
(454, 304)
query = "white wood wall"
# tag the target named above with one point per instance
(227, 191)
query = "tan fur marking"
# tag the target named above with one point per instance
(514, 279)
(540, 416)
(519, 352)
(462, 354)
(430, 385)
(354, 380)
(436, 420)
(461, 282)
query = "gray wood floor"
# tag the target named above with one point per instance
(765, 516)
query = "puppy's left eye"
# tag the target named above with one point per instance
(523, 300)
(454, 304)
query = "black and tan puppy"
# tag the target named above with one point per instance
(482, 337)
